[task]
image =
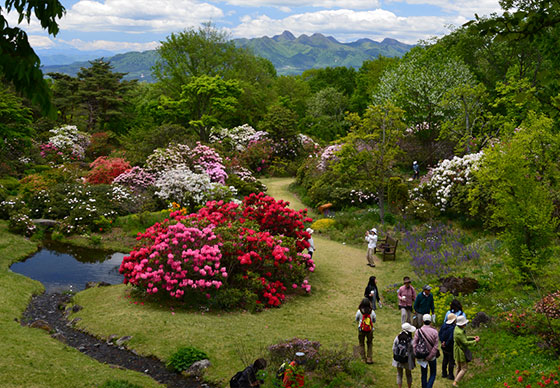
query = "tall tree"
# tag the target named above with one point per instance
(18, 62)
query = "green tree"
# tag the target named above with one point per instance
(372, 147)
(15, 118)
(341, 78)
(326, 114)
(367, 78)
(521, 176)
(209, 101)
(102, 95)
(65, 96)
(18, 62)
(280, 122)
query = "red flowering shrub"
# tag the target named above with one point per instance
(104, 169)
(528, 379)
(256, 246)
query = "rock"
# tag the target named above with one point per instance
(59, 336)
(103, 284)
(458, 286)
(97, 284)
(198, 368)
(112, 338)
(73, 322)
(45, 222)
(121, 341)
(480, 318)
(76, 308)
(41, 324)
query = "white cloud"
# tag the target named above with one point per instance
(40, 42)
(465, 8)
(109, 45)
(347, 25)
(138, 16)
(356, 4)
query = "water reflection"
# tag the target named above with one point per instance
(63, 267)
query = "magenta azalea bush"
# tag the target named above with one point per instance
(210, 161)
(136, 179)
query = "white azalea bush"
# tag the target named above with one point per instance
(163, 159)
(67, 143)
(445, 186)
(235, 139)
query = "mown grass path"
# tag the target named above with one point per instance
(327, 315)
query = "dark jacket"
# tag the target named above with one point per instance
(424, 304)
(446, 335)
(373, 301)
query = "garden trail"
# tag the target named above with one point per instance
(343, 276)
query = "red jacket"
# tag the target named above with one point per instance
(291, 381)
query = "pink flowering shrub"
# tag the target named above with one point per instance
(136, 179)
(210, 161)
(256, 246)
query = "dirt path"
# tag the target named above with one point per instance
(348, 277)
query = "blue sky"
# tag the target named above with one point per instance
(127, 25)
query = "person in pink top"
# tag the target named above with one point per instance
(407, 296)
(425, 345)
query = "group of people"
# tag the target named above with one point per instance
(419, 341)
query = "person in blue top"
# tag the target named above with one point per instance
(424, 304)
(416, 169)
(446, 339)
(455, 308)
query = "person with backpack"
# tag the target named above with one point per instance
(372, 293)
(461, 348)
(365, 316)
(247, 378)
(425, 344)
(446, 339)
(294, 374)
(403, 354)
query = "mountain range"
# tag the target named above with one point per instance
(289, 55)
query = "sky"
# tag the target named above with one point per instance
(139, 25)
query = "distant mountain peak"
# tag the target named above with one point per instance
(390, 41)
(286, 35)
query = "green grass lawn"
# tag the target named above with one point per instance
(327, 315)
(30, 357)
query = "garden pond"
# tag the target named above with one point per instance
(61, 267)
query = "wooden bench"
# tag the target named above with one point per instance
(387, 247)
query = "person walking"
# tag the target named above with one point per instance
(425, 345)
(447, 346)
(456, 308)
(294, 375)
(416, 170)
(407, 296)
(424, 304)
(365, 316)
(248, 377)
(403, 354)
(371, 239)
(311, 247)
(461, 348)
(372, 293)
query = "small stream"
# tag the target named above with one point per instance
(61, 267)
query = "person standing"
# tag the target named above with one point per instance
(371, 239)
(407, 296)
(416, 169)
(372, 293)
(426, 341)
(424, 304)
(456, 308)
(311, 248)
(447, 346)
(365, 316)
(294, 375)
(403, 359)
(461, 348)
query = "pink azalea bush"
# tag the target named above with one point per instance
(136, 179)
(256, 246)
(210, 161)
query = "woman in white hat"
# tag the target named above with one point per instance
(403, 354)
(371, 239)
(311, 247)
(461, 347)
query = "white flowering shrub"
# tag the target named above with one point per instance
(21, 224)
(67, 143)
(328, 156)
(188, 188)
(235, 139)
(445, 181)
(163, 159)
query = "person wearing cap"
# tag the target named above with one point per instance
(294, 374)
(446, 339)
(424, 304)
(416, 169)
(371, 239)
(311, 247)
(407, 296)
(406, 335)
(430, 338)
(462, 343)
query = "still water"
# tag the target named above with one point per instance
(62, 267)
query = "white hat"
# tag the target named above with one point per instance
(408, 327)
(309, 230)
(374, 230)
(300, 354)
(451, 318)
(415, 162)
(427, 318)
(462, 320)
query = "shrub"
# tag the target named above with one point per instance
(323, 224)
(210, 162)
(137, 179)
(100, 145)
(549, 305)
(105, 169)
(67, 143)
(10, 184)
(183, 358)
(397, 194)
(21, 224)
(287, 351)
(9, 207)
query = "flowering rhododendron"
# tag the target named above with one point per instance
(328, 156)
(66, 143)
(236, 138)
(210, 162)
(163, 159)
(104, 169)
(256, 245)
(136, 179)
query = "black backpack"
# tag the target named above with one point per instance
(401, 351)
(241, 379)
(421, 351)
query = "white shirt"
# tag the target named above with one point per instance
(311, 245)
(371, 240)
